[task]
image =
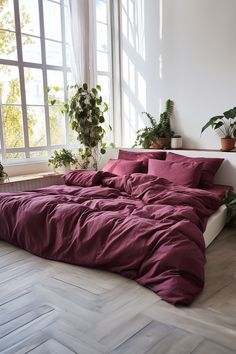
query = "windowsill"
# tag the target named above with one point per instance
(31, 177)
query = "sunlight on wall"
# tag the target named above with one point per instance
(133, 64)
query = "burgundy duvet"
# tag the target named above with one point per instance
(140, 226)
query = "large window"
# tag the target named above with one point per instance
(103, 65)
(34, 57)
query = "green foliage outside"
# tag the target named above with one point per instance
(12, 115)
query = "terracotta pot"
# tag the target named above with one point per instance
(227, 144)
(160, 143)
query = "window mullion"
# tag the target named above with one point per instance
(21, 75)
(1, 135)
(44, 69)
(64, 64)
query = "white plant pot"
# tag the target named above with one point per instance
(176, 143)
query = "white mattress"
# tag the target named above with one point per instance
(215, 224)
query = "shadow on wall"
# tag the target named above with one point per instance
(140, 85)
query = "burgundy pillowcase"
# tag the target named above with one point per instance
(183, 173)
(209, 166)
(142, 156)
(85, 178)
(122, 167)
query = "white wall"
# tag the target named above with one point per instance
(179, 49)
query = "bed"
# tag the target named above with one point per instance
(139, 225)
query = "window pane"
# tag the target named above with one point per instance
(57, 126)
(29, 17)
(9, 85)
(8, 45)
(104, 82)
(53, 53)
(102, 42)
(7, 19)
(35, 154)
(31, 49)
(101, 10)
(52, 20)
(102, 61)
(15, 155)
(36, 126)
(55, 83)
(12, 127)
(34, 86)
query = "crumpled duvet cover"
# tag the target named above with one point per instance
(140, 226)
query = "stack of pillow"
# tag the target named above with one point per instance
(179, 169)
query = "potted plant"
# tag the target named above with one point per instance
(62, 159)
(3, 175)
(86, 110)
(176, 142)
(226, 125)
(159, 134)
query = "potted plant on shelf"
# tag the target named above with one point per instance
(63, 160)
(176, 142)
(159, 134)
(226, 126)
(3, 175)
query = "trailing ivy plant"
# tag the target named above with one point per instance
(157, 130)
(85, 109)
(3, 174)
(62, 158)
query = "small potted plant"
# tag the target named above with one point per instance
(159, 134)
(176, 142)
(3, 175)
(226, 126)
(62, 159)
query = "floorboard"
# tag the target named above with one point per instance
(52, 307)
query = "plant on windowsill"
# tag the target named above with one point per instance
(159, 135)
(3, 175)
(226, 126)
(86, 108)
(63, 159)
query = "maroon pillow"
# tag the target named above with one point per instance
(85, 178)
(122, 167)
(142, 156)
(183, 173)
(209, 166)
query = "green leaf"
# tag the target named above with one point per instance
(53, 102)
(94, 91)
(218, 125)
(101, 119)
(231, 113)
(98, 87)
(56, 88)
(85, 86)
(211, 122)
(103, 151)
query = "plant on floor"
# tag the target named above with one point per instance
(158, 135)
(3, 175)
(230, 203)
(226, 126)
(86, 110)
(62, 158)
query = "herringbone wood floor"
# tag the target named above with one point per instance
(50, 307)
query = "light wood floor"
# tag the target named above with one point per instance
(50, 307)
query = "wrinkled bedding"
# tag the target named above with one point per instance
(140, 226)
